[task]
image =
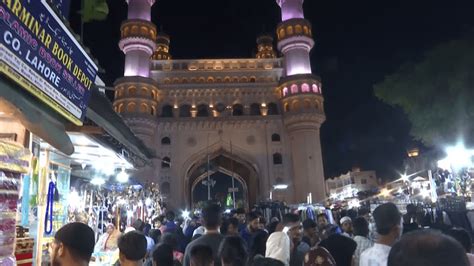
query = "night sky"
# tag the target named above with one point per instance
(357, 44)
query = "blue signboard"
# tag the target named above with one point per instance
(62, 6)
(39, 53)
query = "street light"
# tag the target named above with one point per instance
(457, 157)
(280, 186)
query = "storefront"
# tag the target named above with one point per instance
(52, 120)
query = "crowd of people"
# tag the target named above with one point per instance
(242, 239)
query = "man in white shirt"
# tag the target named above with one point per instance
(388, 222)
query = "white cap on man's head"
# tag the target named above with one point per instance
(345, 219)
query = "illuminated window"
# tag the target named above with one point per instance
(166, 162)
(315, 88)
(298, 29)
(131, 107)
(289, 30)
(294, 89)
(165, 141)
(277, 159)
(305, 30)
(285, 91)
(275, 138)
(282, 33)
(305, 88)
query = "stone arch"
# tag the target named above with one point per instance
(294, 89)
(166, 162)
(286, 107)
(298, 29)
(202, 110)
(244, 79)
(281, 33)
(166, 141)
(307, 104)
(185, 110)
(255, 109)
(153, 95)
(237, 110)
(305, 88)
(276, 137)
(289, 30)
(132, 91)
(295, 105)
(244, 169)
(318, 105)
(277, 158)
(120, 108)
(143, 108)
(153, 110)
(253, 79)
(144, 91)
(272, 109)
(131, 107)
(167, 111)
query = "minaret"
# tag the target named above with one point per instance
(162, 51)
(265, 47)
(136, 94)
(302, 102)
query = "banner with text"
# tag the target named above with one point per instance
(39, 53)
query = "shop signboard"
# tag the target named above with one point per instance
(38, 52)
(62, 6)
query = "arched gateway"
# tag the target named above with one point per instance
(221, 166)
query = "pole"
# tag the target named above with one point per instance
(232, 169)
(208, 177)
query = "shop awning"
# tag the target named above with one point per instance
(51, 127)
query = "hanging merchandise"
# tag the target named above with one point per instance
(48, 217)
(14, 161)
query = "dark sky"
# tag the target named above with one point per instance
(357, 44)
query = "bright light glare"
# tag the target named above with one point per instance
(75, 201)
(425, 193)
(185, 214)
(122, 177)
(98, 181)
(384, 192)
(405, 178)
(227, 210)
(280, 186)
(354, 204)
(147, 201)
(457, 157)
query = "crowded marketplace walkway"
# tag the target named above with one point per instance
(383, 237)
